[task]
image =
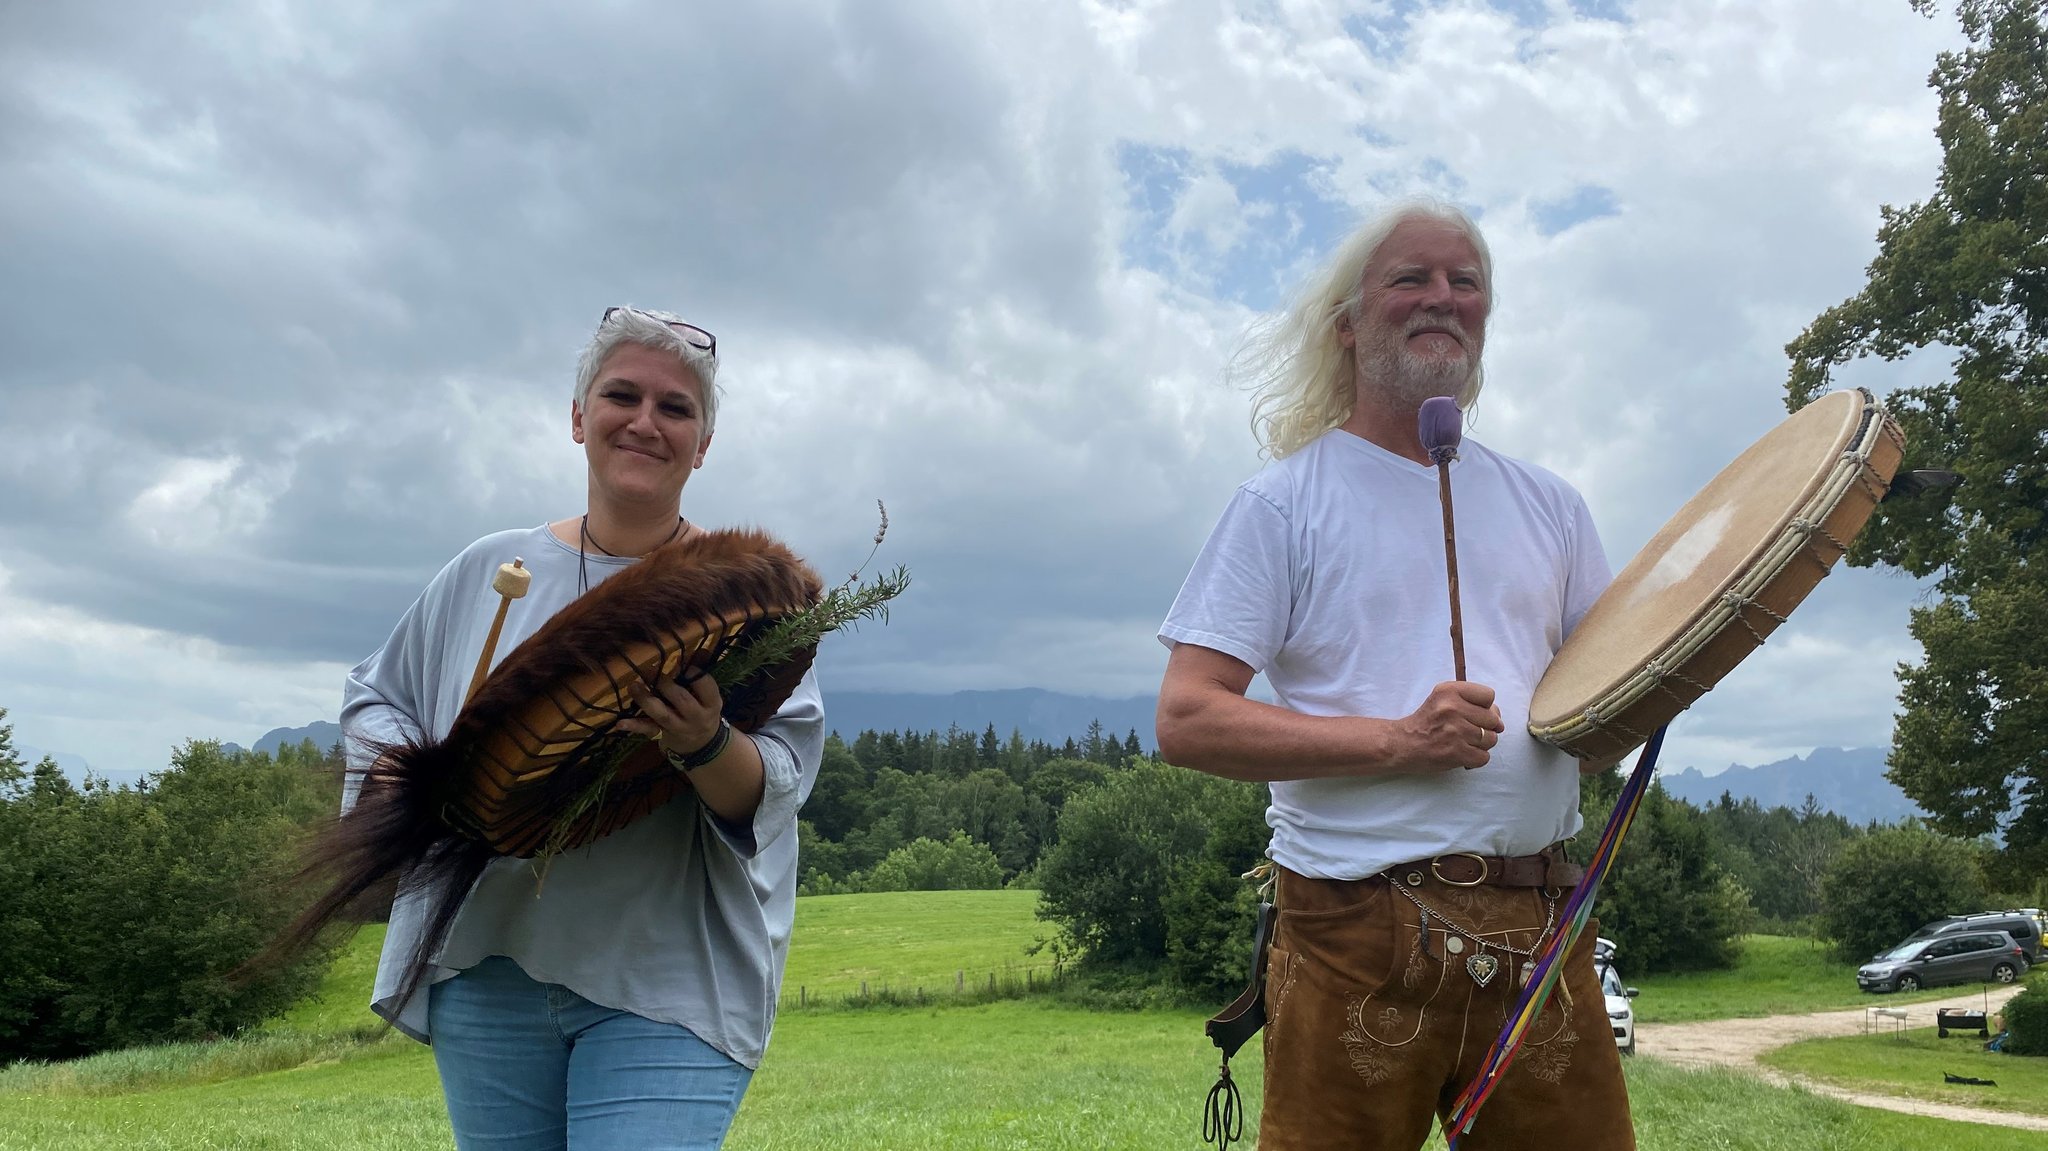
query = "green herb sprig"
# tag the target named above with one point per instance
(843, 606)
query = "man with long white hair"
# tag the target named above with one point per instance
(1418, 829)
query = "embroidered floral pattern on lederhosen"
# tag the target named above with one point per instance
(1546, 1051)
(1378, 1034)
(1433, 995)
(1369, 1023)
(1404, 1009)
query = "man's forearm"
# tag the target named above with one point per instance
(1239, 738)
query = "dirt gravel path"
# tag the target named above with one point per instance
(1738, 1042)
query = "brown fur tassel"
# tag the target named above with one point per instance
(437, 812)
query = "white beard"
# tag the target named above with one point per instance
(1390, 368)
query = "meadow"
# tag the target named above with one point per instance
(1912, 1063)
(1036, 1072)
(1024, 1074)
(907, 941)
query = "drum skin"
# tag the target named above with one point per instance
(1719, 578)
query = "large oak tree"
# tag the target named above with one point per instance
(1966, 272)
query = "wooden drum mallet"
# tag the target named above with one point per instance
(510, 583)
(1442, 427)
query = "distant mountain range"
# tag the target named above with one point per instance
(1849, 782)
(323, 734)
(1038, 714)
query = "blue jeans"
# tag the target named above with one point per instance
(527, 1066)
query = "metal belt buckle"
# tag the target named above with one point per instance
(1436, 869)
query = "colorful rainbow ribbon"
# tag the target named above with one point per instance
(1549, 964)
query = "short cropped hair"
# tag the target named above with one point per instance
(649, 329)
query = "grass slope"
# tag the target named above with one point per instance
(342, 1002)
(1018, 1074)
(901, 940)
(1032, 1073)
(1911, 1064)
(910, 939)
(387, 1098)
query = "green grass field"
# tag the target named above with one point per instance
(1911, 1063)
(1776, 976)
(898, 940)
(1023, 1074)
(905, 940)
(1031, 1073)
(343, 1001)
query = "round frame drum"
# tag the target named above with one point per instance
(530, 769)
(1719, 578)
(537, 757)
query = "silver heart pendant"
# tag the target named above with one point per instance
(1482, 968)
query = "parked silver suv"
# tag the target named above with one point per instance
(1959, 957)
(2024, 924)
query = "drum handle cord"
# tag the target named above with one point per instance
(1223, 1117)
(1549, 963)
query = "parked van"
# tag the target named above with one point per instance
(1949, 957)
(2024, 924)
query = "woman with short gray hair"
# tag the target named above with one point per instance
(625, 1002)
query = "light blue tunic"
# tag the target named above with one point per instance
(679, 916)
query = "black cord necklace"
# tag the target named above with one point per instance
(583, 538)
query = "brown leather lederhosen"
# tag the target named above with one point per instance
(1374, 1024)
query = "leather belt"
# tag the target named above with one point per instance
(1546, 868)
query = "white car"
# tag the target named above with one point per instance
(1621, 1012)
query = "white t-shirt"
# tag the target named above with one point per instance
(1326, 572)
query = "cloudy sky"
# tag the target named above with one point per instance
(292, 295)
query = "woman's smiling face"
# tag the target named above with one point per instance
(642, 426)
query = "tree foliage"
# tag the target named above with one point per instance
(1888, 883)
(958, 864)
(1144, 873)
(1779, 855)
(1966, 270)
(2026, 1019)
(885, 790)
(123, 910)
(1210, 910)
(1668, 900)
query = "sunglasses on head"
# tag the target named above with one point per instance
(692, 335)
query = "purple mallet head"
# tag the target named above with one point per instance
(1441, 426)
